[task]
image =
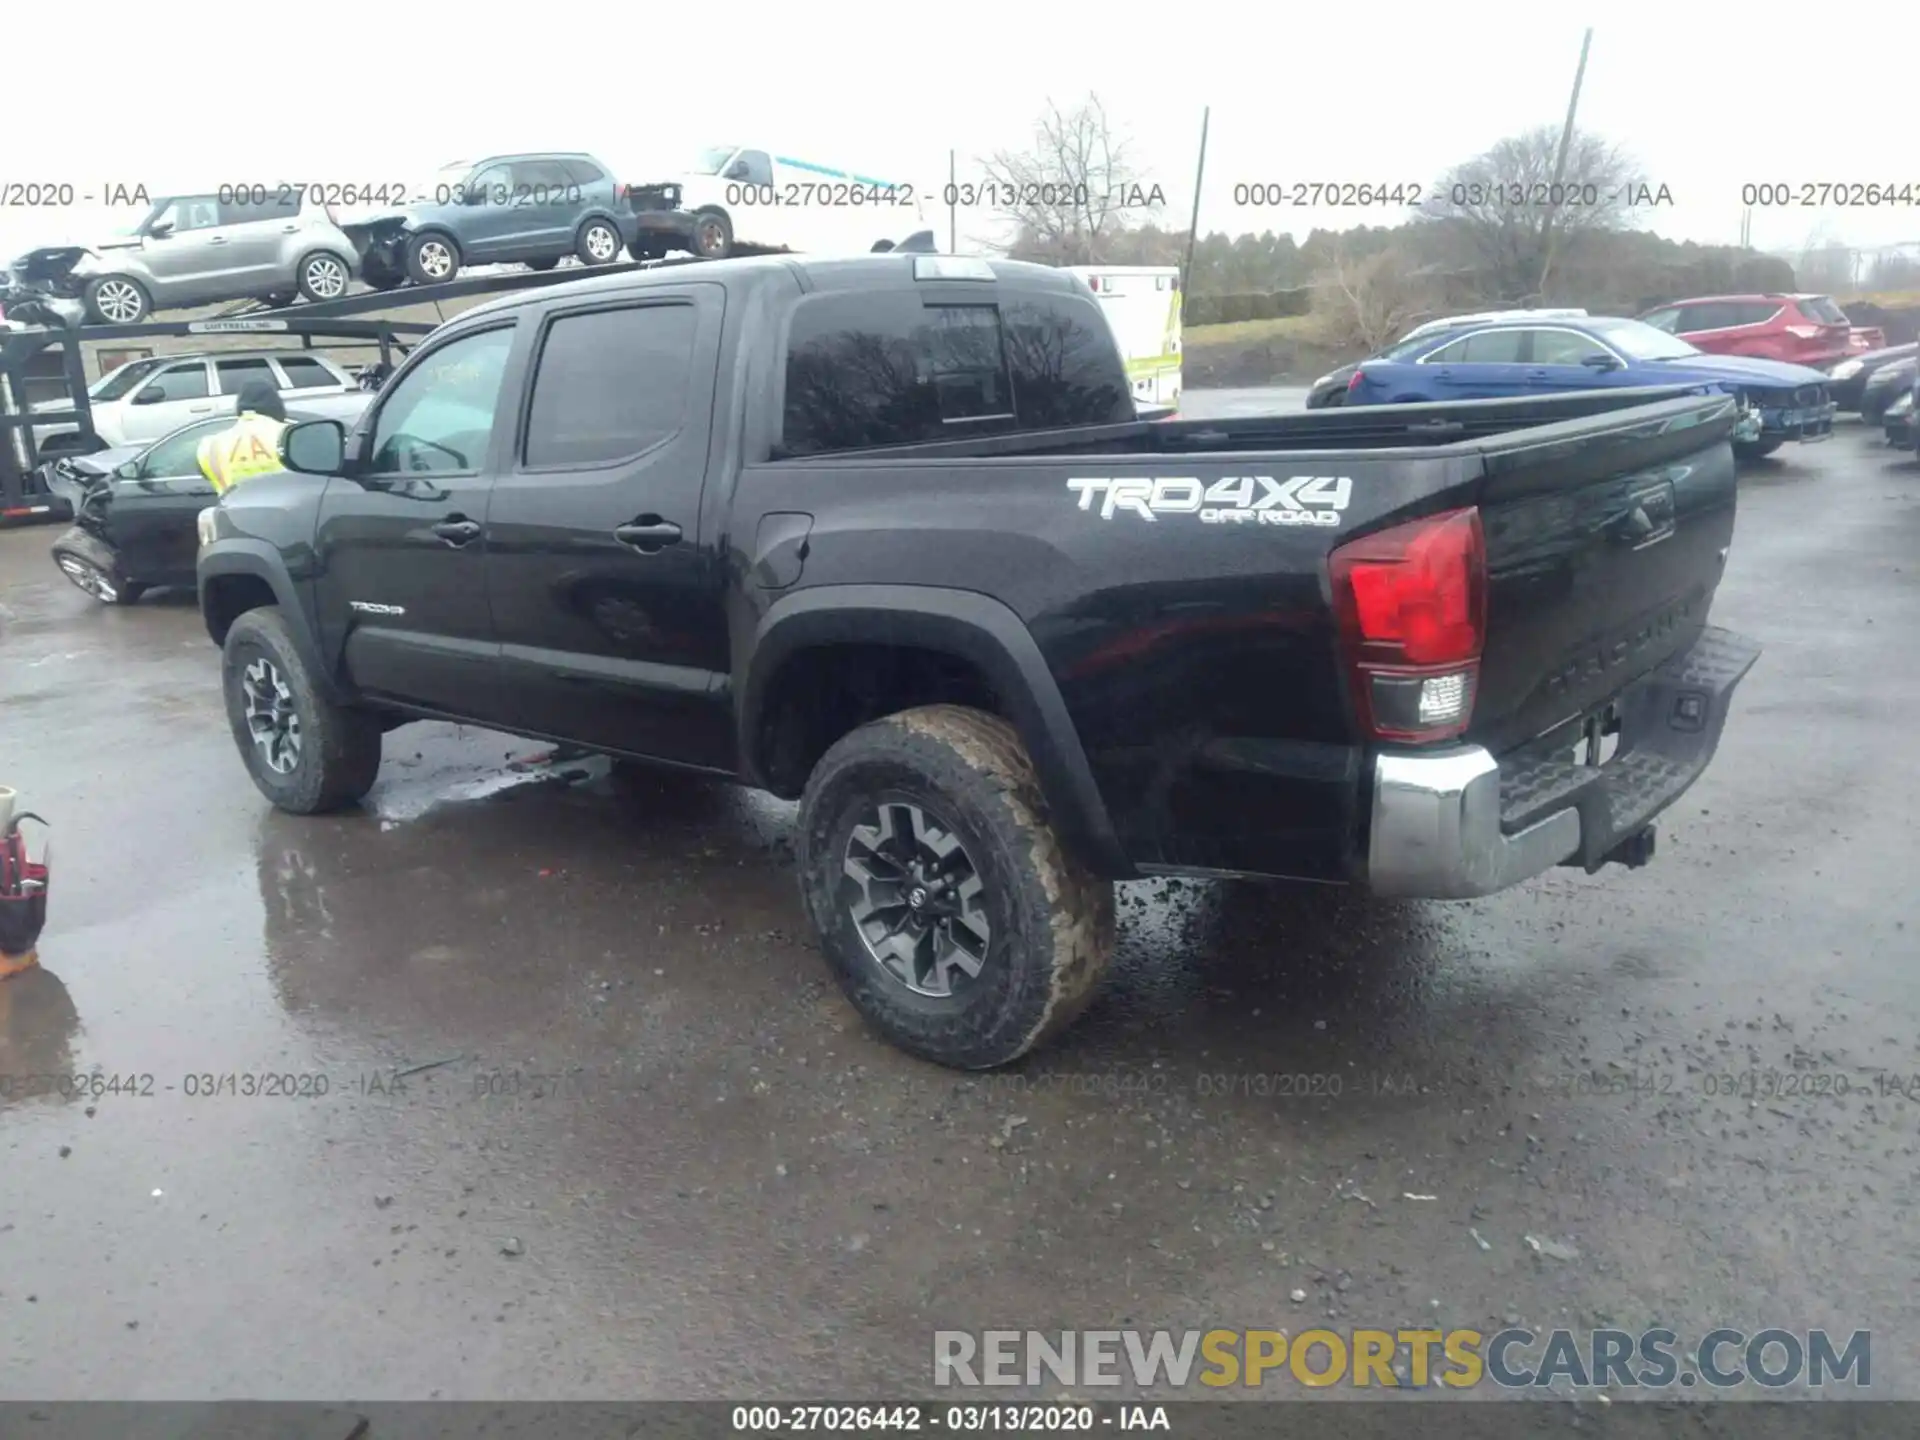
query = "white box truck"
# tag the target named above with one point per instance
(1142, 303)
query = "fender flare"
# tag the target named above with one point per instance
(237, 555)
(970, 627)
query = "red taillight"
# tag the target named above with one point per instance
(1412, 608)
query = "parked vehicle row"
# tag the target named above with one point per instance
(277, 242)
(1544, 353)
(949, 604)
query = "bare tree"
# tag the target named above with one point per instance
(1073, 191)
(1369, 301)
(1505, 203)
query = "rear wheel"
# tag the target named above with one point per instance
(305, 753)
(432, 258)
(950, 913)
(323, 276)
(598, 243)
(541, 265)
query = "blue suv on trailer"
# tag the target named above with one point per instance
(531, 209)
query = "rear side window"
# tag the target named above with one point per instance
(304, 373)
(1667, 320)
(1823, 310)
(584, 172)
(1488, 347)
(611, 384)
(236, 375)
(886, 368)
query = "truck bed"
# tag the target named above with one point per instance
(1197, 651)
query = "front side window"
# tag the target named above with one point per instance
(181, 382)
(179, 454)
(1642, 341)
(274, 205)
(191, 212)
(438, 417)
(116, 384)
(759, 169)
(1562, 347)
(610, 384)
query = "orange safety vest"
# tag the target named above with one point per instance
(251, 447)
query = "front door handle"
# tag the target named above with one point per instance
(199, 409)
(457, 532)
(648, 534)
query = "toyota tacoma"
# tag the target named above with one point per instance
(885, 536)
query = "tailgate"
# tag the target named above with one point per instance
(1604, 549)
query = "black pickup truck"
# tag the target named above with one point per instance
(884, 535)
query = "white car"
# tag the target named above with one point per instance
(749, 196)
(145, 399)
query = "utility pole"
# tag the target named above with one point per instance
(1560, 162)
(1193, 225)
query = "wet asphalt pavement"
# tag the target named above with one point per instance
(662, 1157)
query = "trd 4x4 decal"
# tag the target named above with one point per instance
(1235, 500)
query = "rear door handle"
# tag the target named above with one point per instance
(457, 532)
(198, 409)
(648, 534)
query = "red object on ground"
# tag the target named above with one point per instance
(23, 902)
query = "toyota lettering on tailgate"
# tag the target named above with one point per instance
(1234, 500)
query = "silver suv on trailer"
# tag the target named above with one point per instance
(263, 244)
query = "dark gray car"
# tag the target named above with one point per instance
(534, 209)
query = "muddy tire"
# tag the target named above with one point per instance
(1010, 935)
(306, 754)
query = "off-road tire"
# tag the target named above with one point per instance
(1052, 920)
(340, 747)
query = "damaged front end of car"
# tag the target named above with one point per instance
(47, 286)
(380, 243)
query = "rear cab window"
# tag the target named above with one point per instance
(874, 367)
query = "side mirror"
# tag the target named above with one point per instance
(317, 447)
(160, 229)
(1600, 361)
(149, 396)
(127, 470)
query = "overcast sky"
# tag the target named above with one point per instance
(1704, 96)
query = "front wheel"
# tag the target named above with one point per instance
(951, 915)
(598, 243)
(92, 577)
(712, 235)
(305, 753)
(1755, 449)
(117, 300)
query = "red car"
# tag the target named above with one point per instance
(1799, 329)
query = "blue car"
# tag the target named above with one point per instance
(1540, 356)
